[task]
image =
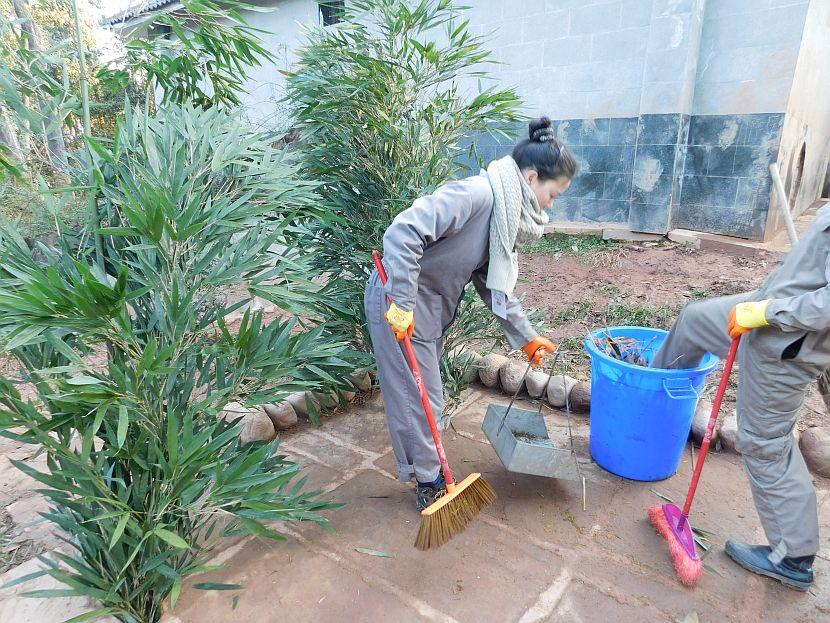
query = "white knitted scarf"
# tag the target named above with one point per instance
(517, 219)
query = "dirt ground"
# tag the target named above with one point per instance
(535, 555)
(601, 283)
(586, 284)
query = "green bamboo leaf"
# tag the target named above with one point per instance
(118, 231)
(22, 336)
(92, 615)
(175, 591)
(119, 529)
(216, 586)
(83, 380)
(171, 538)
(23, 579)
(373, 552)
(56, 592)
(56, 370)
(123, 425)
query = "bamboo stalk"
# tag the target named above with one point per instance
(91, 201)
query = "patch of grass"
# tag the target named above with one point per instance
(580, 246)
(572, 343)
(701, 293)
(574, 312)
(639, 315)
(609, 289)
(657, 316)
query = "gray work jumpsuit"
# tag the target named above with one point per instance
(431, 251)
(777, 364)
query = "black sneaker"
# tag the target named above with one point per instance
(795, 573)
(428, 493)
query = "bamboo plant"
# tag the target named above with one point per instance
(133, 366)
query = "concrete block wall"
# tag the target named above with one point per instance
(658, 68)
(284, 35)
(566, 57)
(664, 67)
(606, 58)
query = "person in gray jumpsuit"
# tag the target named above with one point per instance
(785, 345)
(432, 250)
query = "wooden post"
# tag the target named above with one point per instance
(783, 203)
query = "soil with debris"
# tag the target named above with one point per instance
(531, 438)
(599, 284)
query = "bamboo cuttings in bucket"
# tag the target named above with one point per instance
(624, 349)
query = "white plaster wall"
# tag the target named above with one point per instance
(600, 58)
(568, 58)
(748, 54)
(807, 121)
(285, 21)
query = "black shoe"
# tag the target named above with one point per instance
(428, 493)
(796, 573)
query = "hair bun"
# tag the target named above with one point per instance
(540, 129)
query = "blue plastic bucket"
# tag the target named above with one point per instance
(640, 417)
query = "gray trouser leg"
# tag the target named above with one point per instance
(412, 440)
(770, 395)
(700, 329)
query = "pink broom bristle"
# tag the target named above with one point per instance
(689, 570)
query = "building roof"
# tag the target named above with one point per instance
(141, 8)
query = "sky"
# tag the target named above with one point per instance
(111, 7)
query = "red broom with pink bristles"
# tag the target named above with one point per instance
(673, 523)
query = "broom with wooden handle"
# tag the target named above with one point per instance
(449, 514)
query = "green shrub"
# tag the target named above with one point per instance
(382, 112)
(379, 102)
(143, 475)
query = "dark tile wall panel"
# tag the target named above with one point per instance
(658, 172)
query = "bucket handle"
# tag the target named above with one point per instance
(680, 389)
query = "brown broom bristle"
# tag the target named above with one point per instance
(450, 514)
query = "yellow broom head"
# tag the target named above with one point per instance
(450, 514)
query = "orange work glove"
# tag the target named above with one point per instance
(401, 321)
(537, 349)
(747, 316)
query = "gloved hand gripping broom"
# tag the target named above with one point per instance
(449, 514)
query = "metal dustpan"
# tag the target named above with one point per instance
(521, 440)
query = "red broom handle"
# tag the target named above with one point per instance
(419, 381)
(707, 438)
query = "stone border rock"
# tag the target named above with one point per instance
(264, 422)
(500, 372)
(495, 371)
